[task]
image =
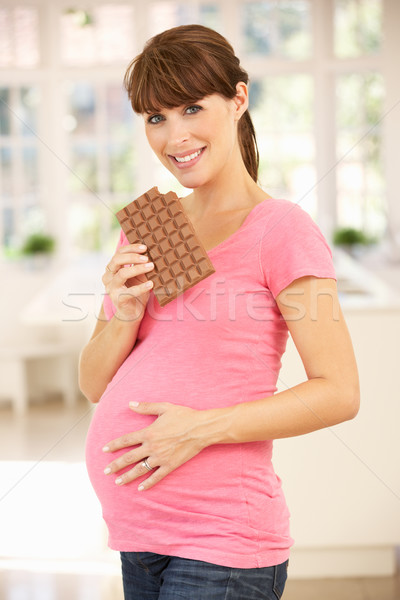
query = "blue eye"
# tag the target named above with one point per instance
(192, 110)
(154, 119)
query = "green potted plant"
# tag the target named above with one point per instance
(37, 250)
(352, 240)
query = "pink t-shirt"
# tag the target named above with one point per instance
(218, 344)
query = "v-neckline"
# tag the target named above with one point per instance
(231, 237)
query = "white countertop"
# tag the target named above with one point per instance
(360, 289)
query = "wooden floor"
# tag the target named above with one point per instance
(23, 585)
(46, 445)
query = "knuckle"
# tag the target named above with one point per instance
(127, 458)
(168, 466)
(125, 440)
(148, 437)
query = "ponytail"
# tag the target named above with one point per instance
(248, 145)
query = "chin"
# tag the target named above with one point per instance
(192, 182)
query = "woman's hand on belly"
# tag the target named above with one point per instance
(178, 434)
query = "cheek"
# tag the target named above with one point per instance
(155, 141)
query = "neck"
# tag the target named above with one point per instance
(234, 189)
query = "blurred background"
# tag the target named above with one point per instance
(325, 100)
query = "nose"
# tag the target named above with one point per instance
(178, 132)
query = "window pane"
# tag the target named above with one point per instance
(30, 173)
(26, 36)
(358, 27)
(360, 179)
(6, 49)
(83, 176)
(19, 37)
(101, 122)
(29, 99)
(209, 15)
(99, 35)
(8, 226)
(278, 29)
(121, 149)
(164, 15)
(6, 178)
(122, 158)
(85, 226)
(120, 116)
(282, 112)
(5, 114)
(19, 170)
(101, 126)
(81, 118)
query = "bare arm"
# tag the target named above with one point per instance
(311, 309)
(330, 395)
(113, 340)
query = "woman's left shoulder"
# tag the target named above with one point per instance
(280, 205)
(283, 213)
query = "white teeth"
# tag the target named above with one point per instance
(188, 157)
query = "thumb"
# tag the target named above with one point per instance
(148, 408)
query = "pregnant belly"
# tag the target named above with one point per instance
(198, 490)
(112, 419)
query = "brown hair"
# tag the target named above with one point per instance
(183, 65)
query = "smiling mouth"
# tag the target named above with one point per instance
(188, 157)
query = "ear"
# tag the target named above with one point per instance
(241, 100)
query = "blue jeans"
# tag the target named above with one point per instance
(148, 576)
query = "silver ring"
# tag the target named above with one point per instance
(146, 465)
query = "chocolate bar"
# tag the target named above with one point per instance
(180, 260)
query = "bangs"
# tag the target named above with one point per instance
(171, 76)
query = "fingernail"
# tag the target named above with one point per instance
(118, 481)
(149, 265)
(107, 471)
(106, 449)
(142, 247)
(134, 404)
(141, 488)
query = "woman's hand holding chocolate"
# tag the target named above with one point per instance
(126, 283)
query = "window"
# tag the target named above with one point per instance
(358, 27)
(281, 109)
(360, 184)
(62, 99)
(164, 15)
(102, 158)
(281, 29)
(98, 35)
(19, 164)
(359, 110)
(19, 39)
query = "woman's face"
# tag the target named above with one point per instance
(197, 142)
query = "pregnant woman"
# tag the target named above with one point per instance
(180, 446)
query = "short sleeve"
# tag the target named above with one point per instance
(292, 246)
(108, 306)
